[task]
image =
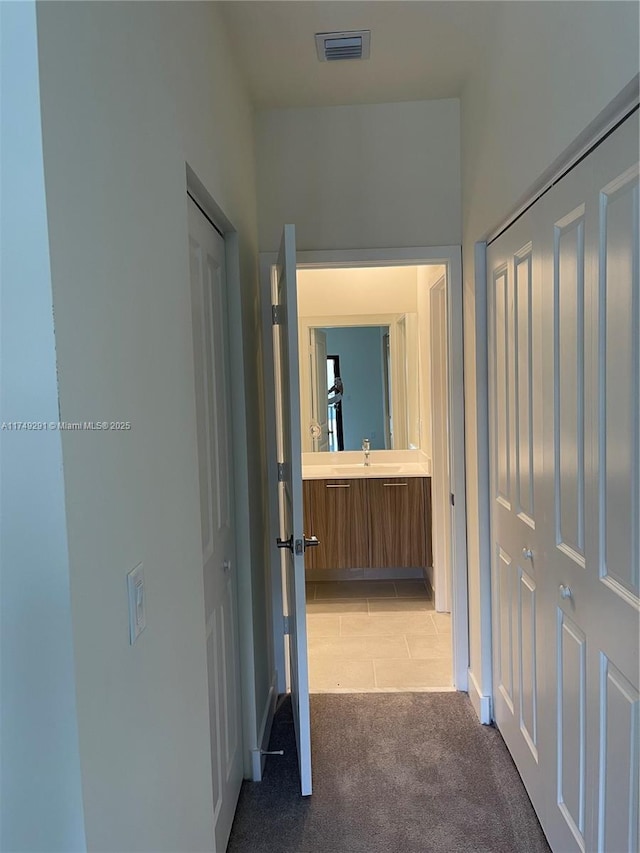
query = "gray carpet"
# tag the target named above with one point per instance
(392, 773)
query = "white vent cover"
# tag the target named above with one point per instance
(354, 44)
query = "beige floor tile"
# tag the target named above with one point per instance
(357, 648)
(381, 624)
(355, 589)
(323, 625)
(326, 674)
(429, 647)
(411, 589)
(337, 605)
(442, 621)
(403, 674)
(400, 605)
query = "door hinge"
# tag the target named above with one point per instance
(275, 315)
(282, 473)
(452, 498)
(286, 624)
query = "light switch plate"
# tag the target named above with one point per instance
(137, 616)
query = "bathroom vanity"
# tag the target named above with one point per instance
(370, 520)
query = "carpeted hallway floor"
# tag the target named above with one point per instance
(392, 773)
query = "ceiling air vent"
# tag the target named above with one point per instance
(349, 45)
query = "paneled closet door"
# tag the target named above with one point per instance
(591, 483)
(613, 493)
(582, 575)
(516, 462)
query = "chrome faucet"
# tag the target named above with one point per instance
(366, 446)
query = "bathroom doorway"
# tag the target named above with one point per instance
(361, 602)
(374, 621)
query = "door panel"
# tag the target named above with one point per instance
(571, 758)
(338, 513)
(568, 347)
(619, 747)
(211, 368)
(523, 348)
(619, 384)
(502, 351)
(504, 579)
(398, 529)
(577, 578)
(290, 494)
(528, 661)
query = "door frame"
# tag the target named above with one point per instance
(451, 258)
(439, 483)
(240, 465)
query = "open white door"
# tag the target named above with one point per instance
(292, 540)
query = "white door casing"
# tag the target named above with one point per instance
(214, 436)
(286, 369)
(583, 239)
(440, 480)
(450, 256)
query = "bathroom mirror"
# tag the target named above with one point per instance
(359, 379)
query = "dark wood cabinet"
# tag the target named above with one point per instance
(368, 523)
(336, 512)
(402, 516)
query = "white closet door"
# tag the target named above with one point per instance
(211, 362)
(582, 578)
(515, 373)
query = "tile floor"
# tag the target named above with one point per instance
(375, 637)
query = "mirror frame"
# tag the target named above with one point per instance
(398, 380)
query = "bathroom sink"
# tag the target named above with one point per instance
(346, 470)
(366, 470)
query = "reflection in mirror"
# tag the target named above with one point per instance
(361, 381)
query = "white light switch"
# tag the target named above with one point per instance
(135, 587)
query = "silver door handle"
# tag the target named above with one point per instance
(338, 485)
(565, 591)
(527, 553)
(285, 543)
(310, 542)
(389, 485)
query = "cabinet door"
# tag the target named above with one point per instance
(336, 512)
(400, 519)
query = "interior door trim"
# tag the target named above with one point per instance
(451, 258)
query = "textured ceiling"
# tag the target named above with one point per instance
(419, 50)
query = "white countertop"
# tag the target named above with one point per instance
(355, 471)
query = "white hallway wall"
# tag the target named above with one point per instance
(548, 71)
(368, 176)
(130, 92)
(41, 800)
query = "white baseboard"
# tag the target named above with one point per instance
(257, 756)
(481, 703)
(428, 576)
